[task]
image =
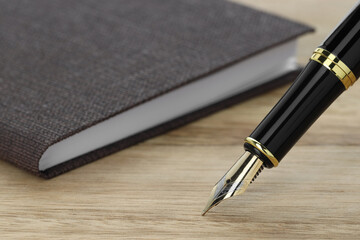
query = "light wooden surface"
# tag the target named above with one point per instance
(157, 189)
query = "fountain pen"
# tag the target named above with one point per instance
(333, 67)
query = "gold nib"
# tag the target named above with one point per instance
(236, 180)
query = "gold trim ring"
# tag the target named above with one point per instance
(335, 65)
(258, 145)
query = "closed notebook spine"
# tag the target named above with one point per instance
(165, 127)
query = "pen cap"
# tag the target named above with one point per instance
(333, 67)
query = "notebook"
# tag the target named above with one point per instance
(80, 80)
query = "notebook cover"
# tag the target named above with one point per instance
(67, 65)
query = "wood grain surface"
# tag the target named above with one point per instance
(157, 189)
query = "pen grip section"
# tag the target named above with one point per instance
(308, 97)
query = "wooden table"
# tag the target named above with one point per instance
(157, 189)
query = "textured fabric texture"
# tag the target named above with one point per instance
(67, 65)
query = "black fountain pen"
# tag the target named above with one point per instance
(333, 68)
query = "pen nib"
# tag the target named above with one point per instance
(236, 180)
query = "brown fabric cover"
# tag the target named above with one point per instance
(66, 65)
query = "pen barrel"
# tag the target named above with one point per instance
(309, 96)
(333, 68)
(344, 41)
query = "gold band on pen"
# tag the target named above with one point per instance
(335, 65)
(263, 150)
